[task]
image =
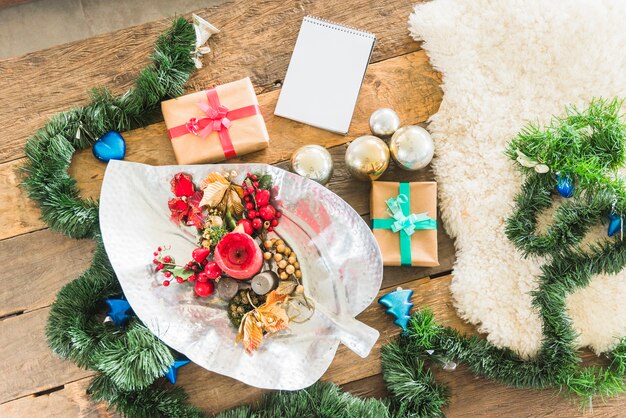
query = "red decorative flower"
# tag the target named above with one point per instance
(238, 255)
(182, 185)
(185, 207)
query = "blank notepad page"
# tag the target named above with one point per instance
(325, 75)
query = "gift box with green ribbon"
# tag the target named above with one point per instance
(404, 222)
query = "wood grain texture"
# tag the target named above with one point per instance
(385, 85)
(28, 366)
(256, 40)
(42, 262)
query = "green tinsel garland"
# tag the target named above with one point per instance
(588, 146)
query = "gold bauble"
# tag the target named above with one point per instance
(367, 158)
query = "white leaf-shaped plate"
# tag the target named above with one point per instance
(339, 258)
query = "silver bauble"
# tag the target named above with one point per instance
(313, 162)
(367, 157)
(384, 122)
(411, 147)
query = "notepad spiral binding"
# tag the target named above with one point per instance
(337, 26)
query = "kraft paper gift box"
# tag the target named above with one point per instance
(216, 124)
(411, 210)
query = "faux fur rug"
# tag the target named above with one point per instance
(505, 63)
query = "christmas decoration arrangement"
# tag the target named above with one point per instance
(238, 254)
(404, 222)
(241, 260)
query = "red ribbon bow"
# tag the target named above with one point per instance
(218, 118)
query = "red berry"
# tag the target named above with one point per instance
(249, 174)
(167, 259)
(159, 267)
(192, 278)
(155, 253)
(255, 184)
(180, 279)
(213, 270)
(204, 289)
(274, 222)
(278, 214)
(270, 229)
(257, 223)
(167, 274)
(247, 198)
(166, 283)
(203, 277)
(155, 261)
(247, 226)
(160, 249)
(267, 212)
(254, 177)
(194, 267)
(249, 205)
(200, 254)
(250, 190)
(251, 214)
(262, 197)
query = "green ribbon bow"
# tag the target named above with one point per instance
(404, 222)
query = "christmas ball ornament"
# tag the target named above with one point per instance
(367, 158)
(110, 146)
(313, 162)
(411, 147)
(384, 122)
(565, 186)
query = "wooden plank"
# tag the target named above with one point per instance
(256, 40)
(28, 366)
(151, 145)
(40, 370)
(41, 262)
(70, 401)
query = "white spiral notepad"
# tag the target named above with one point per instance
(325, 74)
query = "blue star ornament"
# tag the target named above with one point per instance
(118, 311)
(172, 372)
(615, 224)
(398, 304)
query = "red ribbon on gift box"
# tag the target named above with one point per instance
(218, 119)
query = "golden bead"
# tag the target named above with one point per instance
(291, 259)
(280, 248)
(268, 244)
(284, 276)
(300, 289)
(278, 257)
(296, 265)
(282, 264)
(290, 269)
(298, 274)
(267, 256)
(293, 254)
(287, 251)
(280, 242)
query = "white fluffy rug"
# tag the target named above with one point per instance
(505, 63)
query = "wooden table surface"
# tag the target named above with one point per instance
(256, 40)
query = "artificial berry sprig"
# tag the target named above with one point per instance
(199, 270)
(260, 214)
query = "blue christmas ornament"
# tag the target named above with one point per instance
(118, 311)
(110, 146)
(172, 372)
(398, 304)
(615, 224)
(564, 185)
